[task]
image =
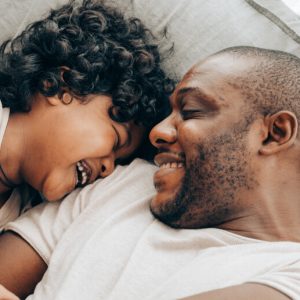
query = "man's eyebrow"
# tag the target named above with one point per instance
(196, 91)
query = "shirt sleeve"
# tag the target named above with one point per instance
(43, 226)
(285, 278)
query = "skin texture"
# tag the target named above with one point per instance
(50, 139)
(17, 274)
(243, 291)
(6, 295)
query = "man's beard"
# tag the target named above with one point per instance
(214, 178)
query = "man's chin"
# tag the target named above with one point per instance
(165, 204)
(159, 201)
(164, 207)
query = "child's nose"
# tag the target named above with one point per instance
(107, 165)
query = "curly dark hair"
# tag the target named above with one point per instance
(99, 51)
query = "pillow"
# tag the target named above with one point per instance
(16, 14)
(200, 27)
(197, 27)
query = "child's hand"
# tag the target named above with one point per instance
(6, 294)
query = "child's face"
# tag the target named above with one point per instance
(75, 144)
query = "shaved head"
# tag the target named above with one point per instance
(271, 84)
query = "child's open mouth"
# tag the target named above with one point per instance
(83, 173)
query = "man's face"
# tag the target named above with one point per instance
(204, 150)
(75, 144)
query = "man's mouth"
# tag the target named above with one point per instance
(84, 173)
(171, 171)
(173, 165)
(169, 160)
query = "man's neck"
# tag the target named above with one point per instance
(275, 218)
(285, 233)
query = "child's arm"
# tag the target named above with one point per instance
(21, 266)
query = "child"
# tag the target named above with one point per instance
(79, 91)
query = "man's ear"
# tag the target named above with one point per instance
(282, 130)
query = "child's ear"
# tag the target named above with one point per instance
(281, 132)
(55, 100)
(66, 97)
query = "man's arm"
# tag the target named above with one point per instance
(248, 291)
(21, 267)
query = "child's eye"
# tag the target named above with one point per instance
(117, 140)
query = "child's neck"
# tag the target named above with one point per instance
(11, 155)
(6, 187)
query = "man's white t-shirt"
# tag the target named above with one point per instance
(102, 242)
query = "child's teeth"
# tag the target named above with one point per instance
(83, 173)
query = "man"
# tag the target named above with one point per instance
(228, 161)
(229, 150)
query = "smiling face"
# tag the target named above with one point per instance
(74, 144)
(204, 150)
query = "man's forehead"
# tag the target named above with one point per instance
(202, 77)
(197, 88)
(213, 77)
(209, 71)
(225, 64)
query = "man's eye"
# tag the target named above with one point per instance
(192, 114)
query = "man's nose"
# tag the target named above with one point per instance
(163, 133)
(107, 165)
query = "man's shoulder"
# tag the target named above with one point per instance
(138, 172)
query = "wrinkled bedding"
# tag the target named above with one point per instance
(197, 27)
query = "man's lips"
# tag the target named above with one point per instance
(170, 172)
(169, 159)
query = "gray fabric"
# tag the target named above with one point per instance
(197, 27)
(200, 27)
(16, 14)
(272, 13)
